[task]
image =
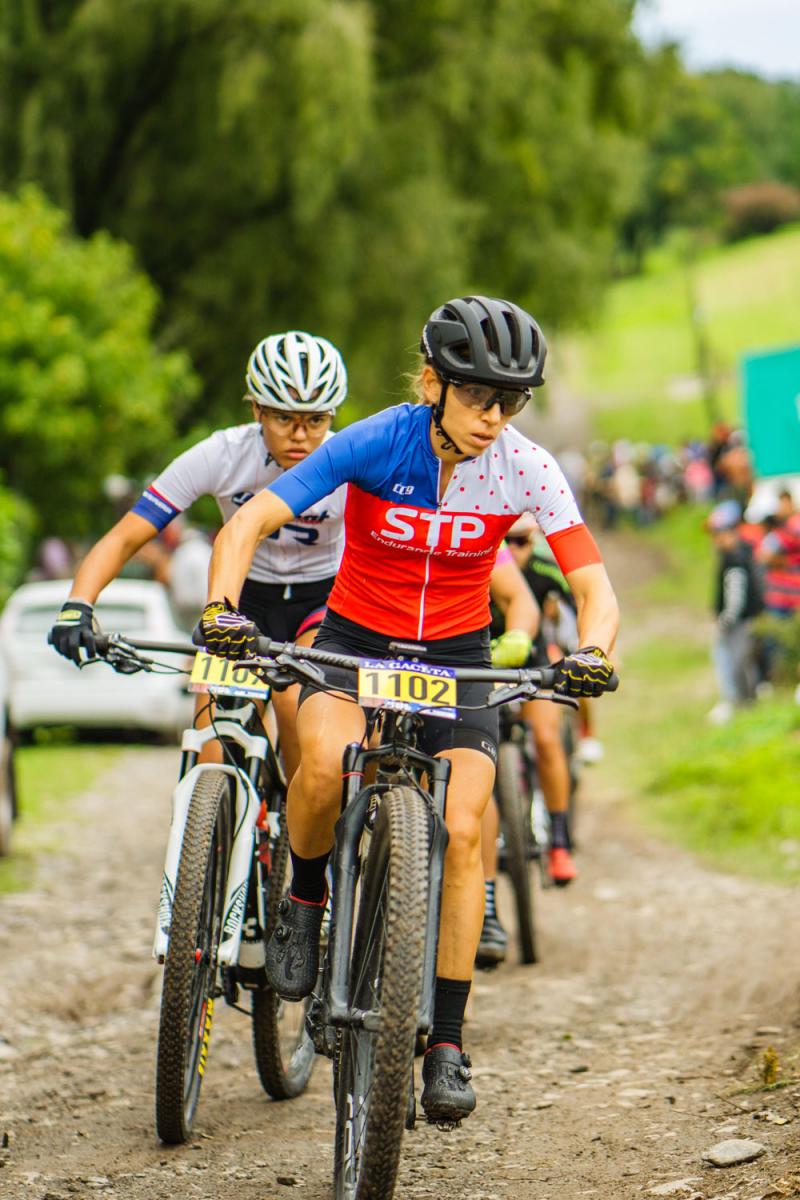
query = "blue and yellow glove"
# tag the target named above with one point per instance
(584, 673)
(511, 649)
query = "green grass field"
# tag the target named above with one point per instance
(637, 366)
(49, 777)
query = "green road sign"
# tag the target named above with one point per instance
(771, 398)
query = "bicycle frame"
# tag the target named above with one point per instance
(256, 748)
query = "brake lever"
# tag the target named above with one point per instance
(528, 691)
(306, 670)
(509, 692)
(285, 671)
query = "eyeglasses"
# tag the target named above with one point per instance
(517, 539)
(477, 395)
(284, 421)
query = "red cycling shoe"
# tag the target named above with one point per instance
(561, 865)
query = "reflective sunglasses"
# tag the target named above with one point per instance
(517, 539)
(479, 396)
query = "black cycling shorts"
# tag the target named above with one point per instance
(282, 611)
(474, 728)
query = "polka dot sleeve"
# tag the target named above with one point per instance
(542, 490)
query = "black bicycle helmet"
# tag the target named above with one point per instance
(479, 339)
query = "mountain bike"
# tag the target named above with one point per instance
(224, 874)
(524, 819)
(515, 790)
(375, 993)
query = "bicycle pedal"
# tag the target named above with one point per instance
(445, 1126)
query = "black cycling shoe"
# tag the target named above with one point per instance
(447, 1094)
(292, 953)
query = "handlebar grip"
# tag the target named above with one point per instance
(101, 644)
(613, 683)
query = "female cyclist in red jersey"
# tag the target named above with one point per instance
(432, 489)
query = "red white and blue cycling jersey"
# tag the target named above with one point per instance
(417, 565)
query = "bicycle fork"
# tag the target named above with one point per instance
(247, 808)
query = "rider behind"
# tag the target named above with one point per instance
(432, 490)
(295, 383)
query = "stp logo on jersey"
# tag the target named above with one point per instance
(436, 529)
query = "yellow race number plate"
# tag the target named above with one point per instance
(407, 687)
(213, 674)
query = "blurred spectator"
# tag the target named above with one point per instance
(734, 469)
(188, 572)
(779, 552)
(738, 599)
(717, 444)
(55, 560)
(697, 475)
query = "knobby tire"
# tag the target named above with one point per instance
(514, 803)
(386, 971)
(283, 1050)
(190, 969)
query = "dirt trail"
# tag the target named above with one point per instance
(604, 1071)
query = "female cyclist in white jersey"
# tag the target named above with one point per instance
(432, 490)
(295, 382)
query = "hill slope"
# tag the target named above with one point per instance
(637, 369)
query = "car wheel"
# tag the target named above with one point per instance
(8, 803)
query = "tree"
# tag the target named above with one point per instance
(83, 391)
(338, 165)
(16, 524)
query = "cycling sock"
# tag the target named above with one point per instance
(489, 909)
(308, 878)
(450, 1001)
(559, 830)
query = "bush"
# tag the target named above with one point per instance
(16, 523)
(84, 390)
(757, 208)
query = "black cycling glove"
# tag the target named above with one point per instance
(74, 632)
(584, 673)
(224, 631)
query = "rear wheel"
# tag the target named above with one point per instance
(375, 1059)
(514, 802)
(190, 987)
(569, 743)
(283, 1049)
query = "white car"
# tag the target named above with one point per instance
(8, 792)
(46, 689)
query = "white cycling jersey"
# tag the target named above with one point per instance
(232, 465)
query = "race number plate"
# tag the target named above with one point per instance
(407, 687)
(213, 674)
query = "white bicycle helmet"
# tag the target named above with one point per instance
(297, 372)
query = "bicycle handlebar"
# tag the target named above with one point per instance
(106, 641)
(287, 656)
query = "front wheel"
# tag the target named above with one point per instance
(375, 1056)
(514, 803)
(190, 970)
(283, 1049)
